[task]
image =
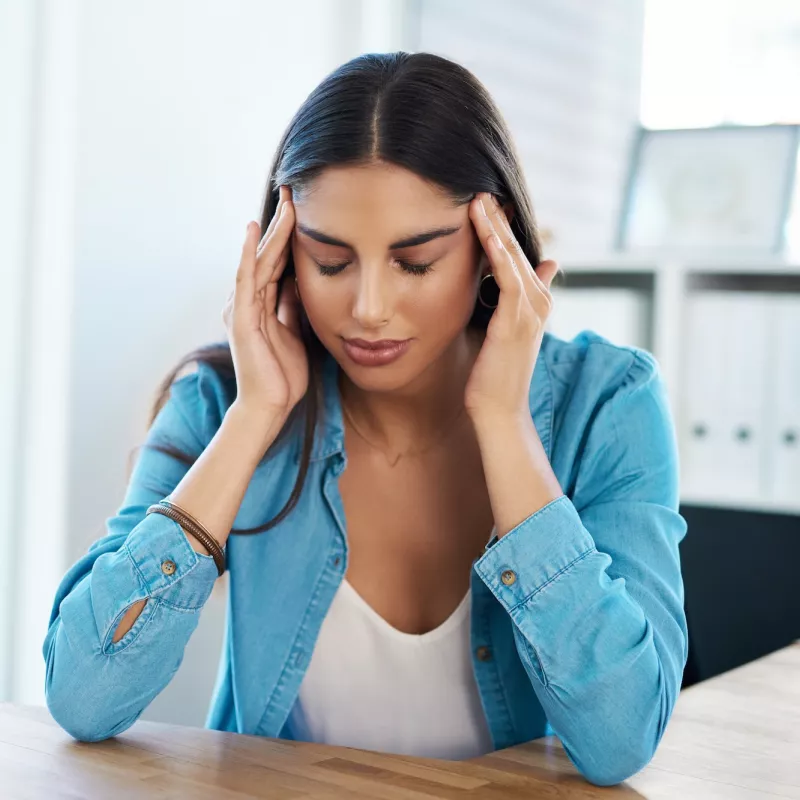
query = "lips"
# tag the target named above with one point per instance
(381, 344)
(376, 353)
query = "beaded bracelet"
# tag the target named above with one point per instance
(187, 521)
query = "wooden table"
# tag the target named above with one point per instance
(734, 736)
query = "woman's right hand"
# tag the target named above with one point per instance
(269, 357)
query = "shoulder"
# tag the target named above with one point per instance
(611, 415)
(589, 369)
(613, 431)
(200, 399)
(202, 395)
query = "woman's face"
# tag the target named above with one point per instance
(354, 224)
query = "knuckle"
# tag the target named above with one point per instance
(500, 217)
(497, 219)
(515, 247)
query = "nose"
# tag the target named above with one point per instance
(370, 308)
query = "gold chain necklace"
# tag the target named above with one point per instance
(436, 441)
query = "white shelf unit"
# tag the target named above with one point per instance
(669, 283)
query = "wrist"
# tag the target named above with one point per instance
(196, 544)
(490, 421)
(257, 425)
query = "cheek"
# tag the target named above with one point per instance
(449, 286)
(317, 292)
(320, 302)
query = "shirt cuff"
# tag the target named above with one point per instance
(167, 564)
(545, 544)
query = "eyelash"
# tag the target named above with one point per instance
(411, 267)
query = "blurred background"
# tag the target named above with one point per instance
(659, 141)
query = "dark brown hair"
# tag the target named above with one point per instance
(415, 110)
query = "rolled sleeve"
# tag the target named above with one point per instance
(535, 552)
(159, 539)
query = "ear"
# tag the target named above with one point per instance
(508, 209)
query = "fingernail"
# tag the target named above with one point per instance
(484, 207)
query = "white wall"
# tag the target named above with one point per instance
(17, 37)
(566, 75)
(37, 275)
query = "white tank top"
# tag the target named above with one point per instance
(371, 686)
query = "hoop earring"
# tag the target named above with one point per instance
(480, 291)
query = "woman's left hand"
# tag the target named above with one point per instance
(499, 383)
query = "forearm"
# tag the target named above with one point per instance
(213, 489)
(607, 674)
(604, 658)
(94, 688)
(518, 474)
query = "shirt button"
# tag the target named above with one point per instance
(483, 653)
(508, 577)
(168, 567)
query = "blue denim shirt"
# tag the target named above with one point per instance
(589, 642)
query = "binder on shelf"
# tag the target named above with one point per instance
(782, 424)
(620, 315)
(723, 395)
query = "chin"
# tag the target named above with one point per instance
(384, 378)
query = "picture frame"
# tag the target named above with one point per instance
(722, 190)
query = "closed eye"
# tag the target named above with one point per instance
(411, 267)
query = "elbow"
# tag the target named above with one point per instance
(80, 716)
(77, 724)
(615, 771)
(608, 766)
(81, 724)
(77, 702)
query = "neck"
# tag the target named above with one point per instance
(404, 419)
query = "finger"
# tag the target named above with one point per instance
(289, 307)
(265, 326)
(530, 280)
(285, 199)
(546, 271)
(274, 254)
(243, 293)
(270, 289)
(227, 307)
(505, 271)
(536, 280)
(284, 194)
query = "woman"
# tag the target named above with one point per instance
(450, 531)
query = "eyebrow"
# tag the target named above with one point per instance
(409, 241)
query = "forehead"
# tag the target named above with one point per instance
(376, 202)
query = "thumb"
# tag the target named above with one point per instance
(289, 306)
(546, 271)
